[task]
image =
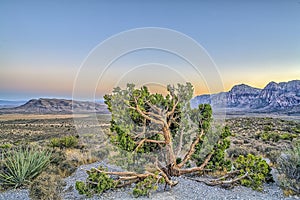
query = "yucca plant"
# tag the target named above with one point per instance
(21, 165)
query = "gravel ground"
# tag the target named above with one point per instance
(186, 189)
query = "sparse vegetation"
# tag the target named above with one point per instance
(163, 127)
(259, 136)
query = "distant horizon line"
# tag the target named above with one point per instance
(101, 99)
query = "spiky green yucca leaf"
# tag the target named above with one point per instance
(21, 165)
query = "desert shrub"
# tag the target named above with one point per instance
(64, 142)
(96, 183)
(60, 163)
(287, 136)
(46, 187)
(275, 137)
(258, 171)
(288, 166)
(296, 129)
(267, 128)
(5, 146)
(145, 187)
(21, 165)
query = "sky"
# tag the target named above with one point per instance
(45, 44)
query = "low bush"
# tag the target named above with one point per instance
(288, 166)
(145, 187)
(21, 165)
(60, 164)
(64, 142)
(257, 169)
(96, 183)
(6, 146)
(275, 137)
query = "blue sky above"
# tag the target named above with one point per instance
(43, 43)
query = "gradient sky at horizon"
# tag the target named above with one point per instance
(43, 43)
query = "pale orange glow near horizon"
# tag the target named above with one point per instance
(253, 43)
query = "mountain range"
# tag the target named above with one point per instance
(281, 97)
(56, 106)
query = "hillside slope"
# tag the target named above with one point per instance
(52, 106)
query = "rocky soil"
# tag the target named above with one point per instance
(186, 189)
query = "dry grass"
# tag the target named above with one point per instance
(79, 157)
(250, 136)
(7, 117)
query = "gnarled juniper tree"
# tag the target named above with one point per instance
(164, 135)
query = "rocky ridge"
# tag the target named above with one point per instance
(281, 97)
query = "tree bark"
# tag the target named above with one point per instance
(171, 160)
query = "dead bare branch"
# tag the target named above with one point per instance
(214, 182)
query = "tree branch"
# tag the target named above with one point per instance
(180, 145)
(168, 181)
(215, 182)
(173, 109)
(154, 107)
(146, 116)
(195, 169)
(150, 141)
(191, 151)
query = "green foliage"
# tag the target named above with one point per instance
(21, 165)
(127, 122)
(178, 160)
(288, 166)
(122, 138)
(96, 183)
(144, 188)
(64, 142)
(258, 171)
(275, 137)
(218, 160)
(288, 136)
(267, 128)
(296, 129)
(6, 146)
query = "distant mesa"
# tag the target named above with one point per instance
(279, 98)
(56, 106)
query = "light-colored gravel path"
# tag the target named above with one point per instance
(186, 190)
